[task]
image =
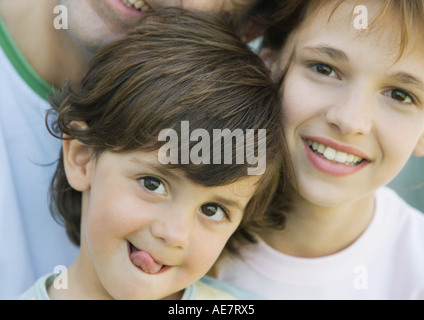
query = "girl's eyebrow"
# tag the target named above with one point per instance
(338, 55)
(408, 79)
(327, 52)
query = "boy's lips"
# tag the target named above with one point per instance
(145, 261)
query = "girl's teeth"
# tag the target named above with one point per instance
(334, 155)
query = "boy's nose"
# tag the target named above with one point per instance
(351, 114)
(174, 226)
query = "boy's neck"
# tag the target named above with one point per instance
(314, 231)
(52, 53)
(79, 278)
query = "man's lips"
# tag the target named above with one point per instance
(140, 5)
(144, 260)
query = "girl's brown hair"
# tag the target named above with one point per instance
(176, 66)
(408, 15)
(289, 15)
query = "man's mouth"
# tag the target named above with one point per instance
(334, 155)
(144, 260)
(139, 5)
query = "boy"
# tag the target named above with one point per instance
(43, 43)
(150, 224)
(353, 106)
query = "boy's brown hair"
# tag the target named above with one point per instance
(176, 66)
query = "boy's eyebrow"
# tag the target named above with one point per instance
(228, 202)
(156, 167)
(408, 79)
(330, 52)
(169, 173)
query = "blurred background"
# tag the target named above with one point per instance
(409, 184)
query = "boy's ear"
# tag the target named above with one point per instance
(78, 163)
(419, 148)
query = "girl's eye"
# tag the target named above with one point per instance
(153, 184)
(214, 212)
(324, 69)
(399, 95)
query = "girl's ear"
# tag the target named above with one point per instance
(251, 30)
(78, 162)
(268, 56)
(271, 60)
(419, 148)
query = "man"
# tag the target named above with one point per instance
(43, 43)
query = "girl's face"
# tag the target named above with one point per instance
(147, 232)
(353, 113)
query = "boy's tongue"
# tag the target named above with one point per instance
(144, 261)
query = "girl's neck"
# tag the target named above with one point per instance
(315, 231)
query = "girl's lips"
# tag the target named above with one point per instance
(330, 167)
(338, 147)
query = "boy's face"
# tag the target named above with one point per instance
(353, 115)
(147, 231)
(95, 23)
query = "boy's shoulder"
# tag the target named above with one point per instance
(39, 290)
(209, 288)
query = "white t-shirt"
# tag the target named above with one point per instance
(31, 242)
(385, 262)
(207, 288)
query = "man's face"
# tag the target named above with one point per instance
(95, 23)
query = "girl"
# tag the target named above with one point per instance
(353, 104)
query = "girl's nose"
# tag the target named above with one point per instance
(352, 113)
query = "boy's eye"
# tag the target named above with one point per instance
(214, 211)
(324, 69)
(399, 95)
(153, 184)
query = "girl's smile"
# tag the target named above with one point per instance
(333, 158)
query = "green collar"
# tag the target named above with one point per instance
(21, 65)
